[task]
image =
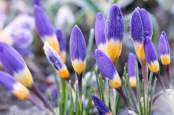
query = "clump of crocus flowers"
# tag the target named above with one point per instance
(108, 37)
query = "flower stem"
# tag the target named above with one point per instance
(72, 85)
(158, 76)
(136, 95)
(31, 99)
(120, 91)
(168, 76)
(39, 95)
(145, 74)
(80, 85)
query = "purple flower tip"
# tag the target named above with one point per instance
(62, 40)
(163, 45)
(114, 24)
(102, 108)
(150, 52)
(105, 65)
(77, 45)
(140, 25)
(43, 24)
(100, 29)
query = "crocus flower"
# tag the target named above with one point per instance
(100, 33)
(15, 65)
(151, 56)
(131, 67)
(78, 50)
(62, 42)
(56, 61)
(100, 105)
(114, 33)
(140, 28)
(164, 49)
(9, 83)
(107, 68)
(45, 28)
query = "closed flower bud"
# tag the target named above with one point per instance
(107, 68)
(56, 61)
(140, 28)
(151, 56)
(131, 68)
(164, 49)
(100, 33)
(45, 28)
(78, 50)
(62, 42)
(15, 65)
(9, 83)
(114, 33)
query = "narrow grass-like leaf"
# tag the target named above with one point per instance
(76, 97)
(138, 90)
(125, 90)
(152, 93)
(101, 87)
(71, 101)
(52, 104)
(109, 97)
(66, 101)
(149, 87)
(144, 98)
(90, 41)
(63, 97)
(92, 91)
(118, 101)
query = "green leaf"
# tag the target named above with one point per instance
(101, 87)
(92, 91)
(144, 98)
(149, 87)
(118, 101)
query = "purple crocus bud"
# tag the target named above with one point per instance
(100, 105)
(45, 28)
(9, 83)
(38, 3)
(107, 68)
(15, 65)
(140, 28)
(151, 56)
(62, 42)
(164, 49)
(100, 33)
(22, 38)
(78, 50)
(131, 68)
(56, 61)
(114, 32)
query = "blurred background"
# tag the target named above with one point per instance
(65, 14)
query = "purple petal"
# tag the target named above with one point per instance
(7, 81)
(140, 25)
(100, 29)
(77, 45)
(131, 66)
(100, 105)
(114, 24)
(105, 65)
(44, 26)
(53, 57)
(62, 39)
(11, 60)
(25, 52)
(149, 50)
(163, 44)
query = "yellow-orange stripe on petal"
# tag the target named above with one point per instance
(64, 74)
(132, 81)
(114, 50)
(24, 77)
(116, 82)
(20, 91)
(78, 66)
(154, 66)
(165, 59)
(139, 49)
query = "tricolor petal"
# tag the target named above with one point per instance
(114, 32)
(62, 42)
(100, 105)
(131, 68)
(78, 50)
(9, 83)
(100, 32)
(107, 68)
(15, 65)
(56, 61)
(45, 28)
(164, 49)
(151, 55)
